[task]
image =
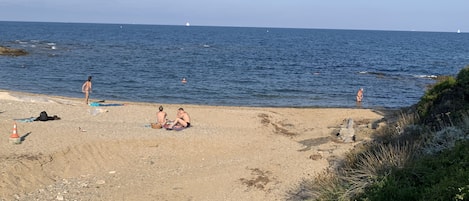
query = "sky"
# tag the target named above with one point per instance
(402, 15)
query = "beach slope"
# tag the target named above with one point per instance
(111, 153)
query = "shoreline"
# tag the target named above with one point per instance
(22, 93)
(230, 152)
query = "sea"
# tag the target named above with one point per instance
(229, 66)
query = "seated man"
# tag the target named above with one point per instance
(182, 119)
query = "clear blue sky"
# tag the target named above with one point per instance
(419, 15)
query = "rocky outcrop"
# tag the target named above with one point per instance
(12, 52)
(347, 132)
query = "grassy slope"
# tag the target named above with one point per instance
(425, 159)
(435, 174)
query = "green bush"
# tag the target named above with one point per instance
(441, 177)
(446, 101)
(463, 83)
(463, 76)
(433, 96)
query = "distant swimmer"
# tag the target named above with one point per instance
(360, 95)
(184, 81)
(86, 88)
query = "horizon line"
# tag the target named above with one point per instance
(232, 26)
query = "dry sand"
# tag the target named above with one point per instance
(110, 153)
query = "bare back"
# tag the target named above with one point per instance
(161, 117)
(86, 86)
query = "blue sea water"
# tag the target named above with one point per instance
(233, 66)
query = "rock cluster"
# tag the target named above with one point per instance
(347, 132)
(12, 52)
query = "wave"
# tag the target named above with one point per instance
(373, 73)
(36, 44)
(426, 76)
(380, 74)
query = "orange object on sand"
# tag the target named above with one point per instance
(15, 132)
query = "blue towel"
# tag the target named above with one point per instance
(30, 119)
(96, 104)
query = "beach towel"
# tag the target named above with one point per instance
(179, 128)
(96, 104)
(25, 120)
(175, 128)
(167, 125)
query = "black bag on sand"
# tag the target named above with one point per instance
(43, 116)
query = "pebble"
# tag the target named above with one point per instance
(65, 189)
(100, 182)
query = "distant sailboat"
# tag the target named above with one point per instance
(187, 24)
(459, 31)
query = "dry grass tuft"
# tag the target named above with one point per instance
(361, 169)
(392, 147)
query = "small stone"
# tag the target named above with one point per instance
(15, 140)
(315, 157)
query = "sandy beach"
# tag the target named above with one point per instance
(111, 153)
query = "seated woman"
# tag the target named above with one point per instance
(160, 118)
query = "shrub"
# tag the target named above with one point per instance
(446, 101)
(444, 176)
(434, 96)
(363, 169)
(463, 77)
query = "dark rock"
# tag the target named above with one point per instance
(12, 52)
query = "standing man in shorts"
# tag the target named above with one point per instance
(360, 95)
